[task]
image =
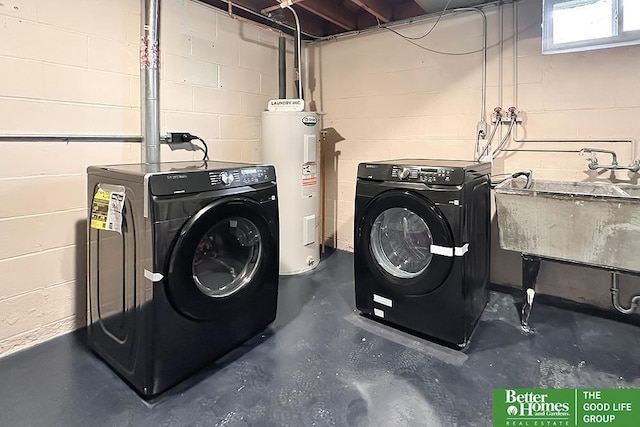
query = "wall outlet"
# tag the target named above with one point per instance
(482, 129)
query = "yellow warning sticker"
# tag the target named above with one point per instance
(107, 207)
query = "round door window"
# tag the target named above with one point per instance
(227, 257)
(401, 243)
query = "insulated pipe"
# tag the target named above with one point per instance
(150, 80)
(282, 67)
(615, 296)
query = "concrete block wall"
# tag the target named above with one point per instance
(385, 98)
(72, 67)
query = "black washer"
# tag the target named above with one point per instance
(422, 244)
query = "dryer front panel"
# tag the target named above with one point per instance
(404, 241)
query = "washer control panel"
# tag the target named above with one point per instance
(428, 175)
(199, 181)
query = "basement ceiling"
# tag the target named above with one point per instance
(323, 18)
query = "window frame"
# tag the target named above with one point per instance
(622, 38)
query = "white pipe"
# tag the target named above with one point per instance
(299, 44)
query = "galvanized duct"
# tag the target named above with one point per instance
(150, 80)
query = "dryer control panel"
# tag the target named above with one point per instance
(200, 181)
(428, 175)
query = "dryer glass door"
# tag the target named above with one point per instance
(227, 256)
(396, 238)
(401, 243)
(223, 257)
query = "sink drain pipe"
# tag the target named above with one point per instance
(615, 296)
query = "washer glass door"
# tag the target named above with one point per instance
(401, 243)
(227, 257)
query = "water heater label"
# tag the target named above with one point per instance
(286, 105)
(310, 120)
(309, 179)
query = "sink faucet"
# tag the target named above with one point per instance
(593, 161)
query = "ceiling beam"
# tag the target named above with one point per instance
(332, 12)
(407, 9)
(421, 4)
(381, 9)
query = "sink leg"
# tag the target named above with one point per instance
(530, 269)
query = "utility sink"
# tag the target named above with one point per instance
(589, 223)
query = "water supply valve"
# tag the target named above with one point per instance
(512, 114)
(497, 115)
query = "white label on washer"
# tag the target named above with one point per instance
(382, 300)
(441, 250)
(154, 277)
(378, 312)
(233, 223)
(450, 252)
(462, 250)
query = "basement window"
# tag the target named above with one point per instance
(577, 25)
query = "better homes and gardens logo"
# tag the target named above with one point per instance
(533, 407)
(566, 407)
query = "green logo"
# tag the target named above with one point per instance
(566, 407)
(310, 120)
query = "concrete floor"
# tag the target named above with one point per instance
(320, 364)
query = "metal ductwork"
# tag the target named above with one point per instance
(150, 80)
